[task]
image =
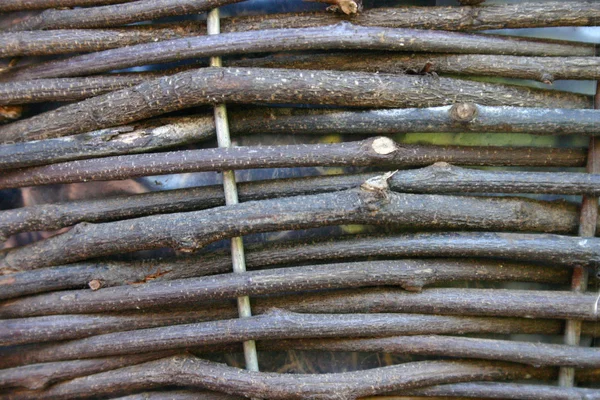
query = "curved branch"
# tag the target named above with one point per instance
(117, 14)
(248, 85)
(544, 69)
(340, 36)
(193, 372)
(193, 230)
(546, 249)
(380, 152)
(445, 178)
(411, 275)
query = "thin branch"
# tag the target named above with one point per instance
(445, 178)
(544, 69)
(379, 152)
(193, 230)
(340, 36)
(498, 16)
(248, 85)
(193, 372)
(169, 132)
(21, 5)
(546, 249)
(117, 14)
(411, 275)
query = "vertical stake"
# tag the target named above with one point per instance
(231, 197)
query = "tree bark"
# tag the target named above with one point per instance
(380, 152)
(445, 178)
(544, 69)
(556, 250)
(411, 275)
(116, 14)
(340, 36)
(247, 85)
(193, 372)
(21, 5)
(193, 230)
(165, 133)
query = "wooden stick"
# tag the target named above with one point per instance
(248, 85)
(340, 36)
(544, 69)
(564, 251)
(193, 230)
(380, 152)
(21, 5)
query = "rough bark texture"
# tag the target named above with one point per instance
(20, 5)
(193, 230)
(411, 275)
(193, 372)
(557, 250)
(256, 85)
(544, 69)
(445, 178)
(380, 152)
(168, 132)
(115, 15)
(64, 41)
(339, 36)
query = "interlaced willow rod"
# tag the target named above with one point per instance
(544, 69)
(238, 260)
(193, 372)
(340, 36)
(193, 230)
(259, 85)
(587, 228)
(546, 249)
(499, 16)
(165, 133)
(380, 152)
(20, 5)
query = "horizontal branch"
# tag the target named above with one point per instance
(340, 36)
(380, 152)
(116, 14)
(544, 69)
(193, 230)
(445, 178)
(272, 325)
(177, 131)
(498, 16)
(193, 372)
(21, 5)
(247, 85)
(411, 275)
(546, 249)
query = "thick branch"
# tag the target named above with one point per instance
(339, 36)
(193, 372)
(499, 16)
(21, 5)
(544, 69)
(546, 249)
(411, 275)
(445, 178)
(117, 14)
(193, 230)
(167, 132)
(380, 152)
(247, 85)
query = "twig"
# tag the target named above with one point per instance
(411, 275)
(498, 16)
(340, 36)
(380, 152)
(256, 85)
(117, 14)
(193, 230)
(445, 178)
(545, 249)
(544, 69)
(176, 131)
(193, 372)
